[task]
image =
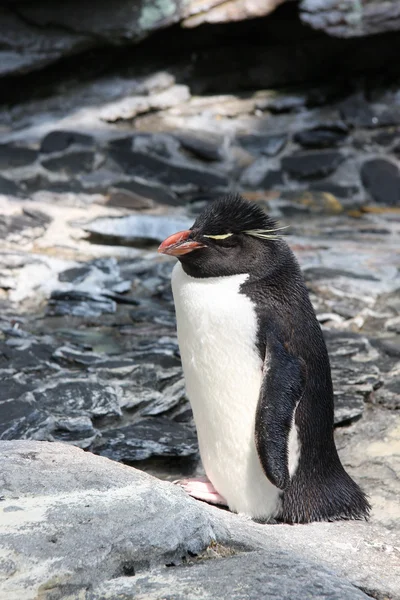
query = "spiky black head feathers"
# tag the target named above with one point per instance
(233, 214)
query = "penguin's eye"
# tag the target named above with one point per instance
(222, 236)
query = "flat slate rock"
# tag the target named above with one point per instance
(341, 191)
(12, 155)
(381, 178)
(308, 165)
(137, 229)
(132, 525)
(244, 576)
(164, 171)
(25, 356)
(8, 187)
(204, 149)
(348, 407)
(78, 397)
(14, 412)
(152, 437)
(357, 112)
(149, 190)
(259, 175)
(321, 137)
(79, 304)
(30, 223)
(124, 198)
(389, 394)
(269, 145)
(70, 163)
(59, 140)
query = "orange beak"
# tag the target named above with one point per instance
(178, 244)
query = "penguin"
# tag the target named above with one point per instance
(256, 371)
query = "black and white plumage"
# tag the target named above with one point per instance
(257, 370)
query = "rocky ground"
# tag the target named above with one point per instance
(92, 178)
(72, 527)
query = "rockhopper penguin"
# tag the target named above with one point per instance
(257, 371)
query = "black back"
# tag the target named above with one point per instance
(320, 488)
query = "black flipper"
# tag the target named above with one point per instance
(281, 391)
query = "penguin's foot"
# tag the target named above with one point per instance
(202, 489)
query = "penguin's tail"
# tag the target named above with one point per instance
(328, 496)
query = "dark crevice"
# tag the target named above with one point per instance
(377, 595)
(128, 569)
(275, 51)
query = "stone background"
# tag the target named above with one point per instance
(107, 145)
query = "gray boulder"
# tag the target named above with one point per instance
(351, 19)
(75, 525)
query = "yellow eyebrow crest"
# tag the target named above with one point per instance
(223, 236)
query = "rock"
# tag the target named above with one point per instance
(357, 112)
(323, 136)
(13, 155)
(389, 116)
(13, 388)
(175, 174)
(14, 411)
(47, 488)
(71, 163)
(344, 19)
(129, 108)
(370, 448)
(150, 190)
(391, 346)
(200, 147)
(126, 199)
(89, 289)
(29, 224)
(40, 182)
(355, 374)
(312, 201)
(348, 407)
(136, 229)
(283, 103)
(381, 178)
(313, 273)
(393, 324)
(78, 398)
(272, 180)
(260, 577)
(25, 356)
(269, 145)
(233, 10)
(153, 437)
(26, 47)
(308, 165)
(8, 187)
(101, 180)
(79, 304)
(114, 495)
(335, 189)
(388, 395)
(152, 389)
(78, 431)
(76, 356)
(386, 138)
(259, 175)
(60, 140)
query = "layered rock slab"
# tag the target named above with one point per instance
(74, 525)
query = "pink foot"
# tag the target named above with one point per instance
(202, 489)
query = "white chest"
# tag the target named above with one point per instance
(217, 328)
